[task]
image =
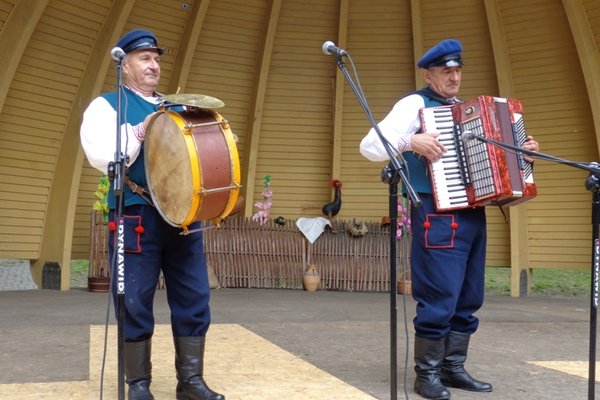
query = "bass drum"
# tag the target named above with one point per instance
(192, 166)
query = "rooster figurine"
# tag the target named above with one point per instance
(330, 210)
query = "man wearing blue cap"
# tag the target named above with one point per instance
(448, 276)
(151, 244)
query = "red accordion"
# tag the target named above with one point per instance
(475, 173)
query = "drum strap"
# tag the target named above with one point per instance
(139, 190)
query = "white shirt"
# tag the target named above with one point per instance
(98, 134)
(397, 127)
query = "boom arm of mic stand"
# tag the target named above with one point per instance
(396, 161)
(593, 168)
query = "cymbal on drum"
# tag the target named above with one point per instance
(194, 100)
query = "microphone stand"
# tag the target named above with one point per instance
(391, 175)
(592, 184)
(116, 171)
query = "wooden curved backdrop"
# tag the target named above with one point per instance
(296, 118)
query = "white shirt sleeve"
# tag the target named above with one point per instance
(397, 127)
(98, 136)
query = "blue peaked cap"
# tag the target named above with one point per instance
(139, 39)
(444, 54)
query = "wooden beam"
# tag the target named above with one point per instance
(519, 235)
(589, 56)
(338, 101)
(499, 48)
(415, 11)
(256, 112)
(187, 46)
(14, 37)
(58, 227)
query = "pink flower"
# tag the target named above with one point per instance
(264, 207)
(404, 225)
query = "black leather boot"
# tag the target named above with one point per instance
(138, 370)
(189, 363)
(429, 354)
(453, 372)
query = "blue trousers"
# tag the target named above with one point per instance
(447, 268)
(152, 245)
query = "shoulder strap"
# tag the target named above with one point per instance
(431, 95)
(139, 190)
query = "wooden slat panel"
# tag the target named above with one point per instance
(35, 112)
(87, 22)
(15, 217)
(296, 131)
(592, 8)
(88, 184)
(564, 129)
(20, 250)
(379, 40)
(297, 104)
(5, 8)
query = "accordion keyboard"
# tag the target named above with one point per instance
(448, 176)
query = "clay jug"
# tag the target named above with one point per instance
(311, 279)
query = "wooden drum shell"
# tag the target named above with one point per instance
(192, 166)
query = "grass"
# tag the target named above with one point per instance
(545, 282)
(79, 273)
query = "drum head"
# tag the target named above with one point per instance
(168, 168)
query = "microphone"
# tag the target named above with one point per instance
(117, 54)
(468, 135)
(330, 48)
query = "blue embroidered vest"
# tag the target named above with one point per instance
(136, 109)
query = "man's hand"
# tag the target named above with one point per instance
(147, 120)
(427, 145)
(530, 144)
(139, 130)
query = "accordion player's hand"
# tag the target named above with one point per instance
(530, 144)
(427, 145)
